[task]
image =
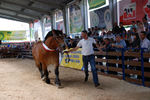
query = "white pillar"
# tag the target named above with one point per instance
(30, 33)
(42, 28)
(113, 9)
(53, 20)
(82, 12)
(86, 14)
(51, 16)
(66, 19)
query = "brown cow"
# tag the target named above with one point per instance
(47, 53)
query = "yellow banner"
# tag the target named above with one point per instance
(13, 35)
(75, 60)
(96, 3)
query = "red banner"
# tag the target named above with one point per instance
(133, 10)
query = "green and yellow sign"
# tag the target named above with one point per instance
(96, 3)
(13, 35)
(75, 60)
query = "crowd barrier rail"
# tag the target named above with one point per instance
(132, 64)
(135, 66)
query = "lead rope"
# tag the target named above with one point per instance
(68, 58)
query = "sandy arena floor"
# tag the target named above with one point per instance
(20, 80)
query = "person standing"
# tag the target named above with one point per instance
(115, 29)
(133, 26)
(71, 44)
(88, 55)
(145, 44)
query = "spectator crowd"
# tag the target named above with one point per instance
(133, 39)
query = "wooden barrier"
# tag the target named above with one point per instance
(125, 65)
(15, 53)
(129, 66)
(26, 53)
(8, 52)
(20, 50)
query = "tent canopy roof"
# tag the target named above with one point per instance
(29, 10)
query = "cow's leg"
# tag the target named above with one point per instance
(46, 78)
(39, 65)
(41, 71)
(57, 81)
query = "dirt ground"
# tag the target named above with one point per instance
(20, 80)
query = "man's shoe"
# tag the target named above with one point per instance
(96, 85)
(86, 78)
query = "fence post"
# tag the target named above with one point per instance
(123, 67)
(142, 67)
(107, 62)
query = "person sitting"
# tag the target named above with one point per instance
(109, 35)
(135, 43)
(71, 44)
(107, 48)
(122, 29)
(145, 43)
(120, 43)
(133, 26)
(140, 27)
(115, 29)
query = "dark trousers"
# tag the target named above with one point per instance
(91, 59)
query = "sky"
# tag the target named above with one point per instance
(10, 25)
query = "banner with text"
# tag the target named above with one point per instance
(133, 10)
(75, 60)
(13, 35)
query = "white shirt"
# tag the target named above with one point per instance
(87, 46)
(109, 36)
(145, 44)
